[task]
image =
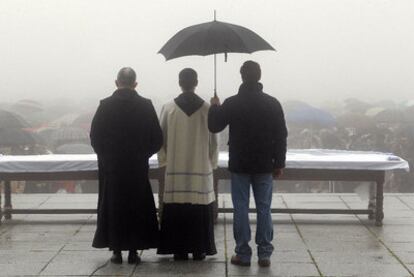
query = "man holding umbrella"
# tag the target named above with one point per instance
(257, 152)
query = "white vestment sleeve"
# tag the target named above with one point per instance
(213, 147)
(162, 154)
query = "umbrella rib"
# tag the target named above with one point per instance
(229, 27)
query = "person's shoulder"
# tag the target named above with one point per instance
(144, 99)
(271, 99)
(231, 100)
(169, 105)
(106, 100)
(144, 102)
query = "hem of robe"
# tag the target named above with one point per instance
(187, 228)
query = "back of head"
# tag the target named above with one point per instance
(126, 78)
(187, 79)
(250, 72)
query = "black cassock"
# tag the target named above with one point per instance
(125, 132)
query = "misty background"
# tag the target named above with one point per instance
(70, 50)
(352, 60)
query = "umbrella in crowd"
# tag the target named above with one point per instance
(27, 106)
(212, 38)
(74, 148)
(355, 105)
(10, 137)
(64, 120)
(360, 122)
(69, 135)
(389, 116)
(12, 120)
(83, 121)
(374, 111)
(300, 113)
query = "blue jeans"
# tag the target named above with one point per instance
(262, 185)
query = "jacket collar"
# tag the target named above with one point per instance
(125, 93)
(249, 88)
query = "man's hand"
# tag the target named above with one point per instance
(215, 101)
(277, 173)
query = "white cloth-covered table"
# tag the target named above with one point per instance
(308, 164)
(300, 159)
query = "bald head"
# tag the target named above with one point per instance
(127, 78)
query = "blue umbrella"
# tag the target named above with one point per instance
(300, 113)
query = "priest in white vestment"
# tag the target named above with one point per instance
(190, 155)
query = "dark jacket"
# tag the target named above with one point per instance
(125, 133)
(257, 130)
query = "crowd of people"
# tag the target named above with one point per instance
(353, 126)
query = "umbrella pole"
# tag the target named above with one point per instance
(215, 75)
(215, 66)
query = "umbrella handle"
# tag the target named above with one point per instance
(215, 75)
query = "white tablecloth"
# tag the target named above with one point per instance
(303, 159)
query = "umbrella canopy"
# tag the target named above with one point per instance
(83, 121)
(355, 105)
(69, 135)
(64, 120)
(390, 116)
(12, 120)
(212, 38)
(300, 113)
(361, 123)
(74, 148)
(28, 106)
(374, 111)
(10, 137)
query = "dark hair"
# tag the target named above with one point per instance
(126, 77)
(187, 78)
(250, 72)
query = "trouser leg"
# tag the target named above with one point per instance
(240, 192)
(262, 190)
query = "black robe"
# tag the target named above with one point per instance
(125, 132)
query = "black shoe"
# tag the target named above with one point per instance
(199, 256)
(133, 257)
(116, 258)
(264, 262)
(236, 260)
(181, 257)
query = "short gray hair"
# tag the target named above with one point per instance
(126, 77)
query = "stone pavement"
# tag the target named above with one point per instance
(305, 245)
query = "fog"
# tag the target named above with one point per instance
(71, 50)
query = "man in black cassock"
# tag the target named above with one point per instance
(125, 133)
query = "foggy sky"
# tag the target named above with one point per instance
(326, 49)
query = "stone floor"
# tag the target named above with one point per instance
(305, 245)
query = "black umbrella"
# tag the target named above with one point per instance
(12, 120)
(212, 38)
(10, 137)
